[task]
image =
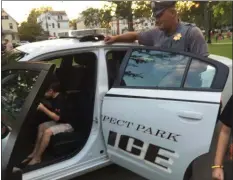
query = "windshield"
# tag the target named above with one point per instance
(16, 86)
(12, 56)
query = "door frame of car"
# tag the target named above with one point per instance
(218, 85)
(82, 162)
(15, 140)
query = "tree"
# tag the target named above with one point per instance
(131, 9)
(124, 10)
(29, 30)
(142, 9)
(91, 17)
(94, 17)
(36, 12)
(105, 15)
(222, 12)
(73, 24)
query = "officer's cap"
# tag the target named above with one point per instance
(159, 7)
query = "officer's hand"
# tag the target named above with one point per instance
(218, 174)
(110, 39)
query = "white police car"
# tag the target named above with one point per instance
(150, 110)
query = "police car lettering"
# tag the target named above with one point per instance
(153, 155)
(142, 128)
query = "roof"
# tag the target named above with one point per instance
(56, 13)
(10, 16)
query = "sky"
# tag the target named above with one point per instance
(19, 10)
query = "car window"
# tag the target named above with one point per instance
(16, 86)
(56, 61)
(151, 68)
(114, 59)
(200, 75)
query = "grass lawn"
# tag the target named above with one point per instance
(221, 49)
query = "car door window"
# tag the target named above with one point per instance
(16, 86)
(200, 75)
(151, 68)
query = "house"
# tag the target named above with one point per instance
(120, 25)
(54, 22)
(9, 28)
(80, 24)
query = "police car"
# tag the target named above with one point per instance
(150, 110)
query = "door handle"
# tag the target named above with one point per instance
(190, 115)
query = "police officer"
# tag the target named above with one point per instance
(169, 32)
(221, 172)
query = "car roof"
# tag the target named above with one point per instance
(42, 47)
(225, 60)
(46, 46)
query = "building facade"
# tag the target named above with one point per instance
(54, 22)
(9, 28)
(120, 25)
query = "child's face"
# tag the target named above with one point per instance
(49, 93)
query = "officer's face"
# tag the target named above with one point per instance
(165, 20)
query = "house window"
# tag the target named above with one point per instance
(54, 34)
(152, 24)
(58, 25)
(5, 17)
(48, 18)
(13, 37)
(11, 25)
(53, 25)
(47, 26)
(61, 17)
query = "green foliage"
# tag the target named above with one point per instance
(222, 12)
(128, 9)
(29, 30)
(197, 12)
(97, 17)
(73, 24)
(91, 17)
(142, 9)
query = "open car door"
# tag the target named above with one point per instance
(161, 112)
(22, 85)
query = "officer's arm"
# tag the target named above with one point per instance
(127, 37)
(197, 43)
(144, 38)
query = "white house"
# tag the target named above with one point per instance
(9, 28)
(120, 25)
(54, 22)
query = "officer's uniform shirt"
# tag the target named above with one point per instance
(227, 115)
(187, 38)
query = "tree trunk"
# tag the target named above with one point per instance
(130, 16)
